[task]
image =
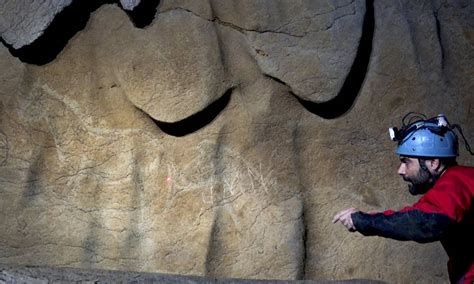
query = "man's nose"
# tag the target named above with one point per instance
(402, 169)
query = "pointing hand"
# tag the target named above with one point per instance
(345, 218)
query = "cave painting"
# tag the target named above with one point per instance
(215, 138)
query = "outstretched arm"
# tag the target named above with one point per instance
(414, 225)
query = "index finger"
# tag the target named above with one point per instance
(339, 215)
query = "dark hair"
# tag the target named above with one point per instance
(448, 162)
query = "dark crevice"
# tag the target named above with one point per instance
(278, 80)
(144, 13)
(305, 215)
(438, 33)
(211, 253)
(196, 121)
(216, 249)
(304, 264)
(352, 85)
(68, 22)
(33, 183)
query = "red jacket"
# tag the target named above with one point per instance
(444, 213)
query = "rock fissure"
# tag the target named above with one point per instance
(440, 40)
(233, 26)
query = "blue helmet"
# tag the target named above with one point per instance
(431, 138)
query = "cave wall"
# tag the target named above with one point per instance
(220, 137)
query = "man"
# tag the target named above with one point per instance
(428, 149)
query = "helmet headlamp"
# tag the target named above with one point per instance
(423, 137)
(394, 134)
(438, 125)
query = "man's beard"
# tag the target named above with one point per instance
(421, 182)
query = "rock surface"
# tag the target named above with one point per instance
(184, 147)
(37, 275)
(23, 21)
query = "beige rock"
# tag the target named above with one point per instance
(22, 22)
(88, 180)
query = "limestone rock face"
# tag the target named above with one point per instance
(221, 139)
(21, 22)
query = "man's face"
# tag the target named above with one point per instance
(411, 172)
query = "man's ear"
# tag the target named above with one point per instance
(433, 165)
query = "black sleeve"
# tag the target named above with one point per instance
(413, 225)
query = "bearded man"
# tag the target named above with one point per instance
(428, 149)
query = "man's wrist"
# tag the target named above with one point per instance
(361, 221)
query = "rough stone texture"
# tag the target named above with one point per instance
(89, 180)
(23, 21)
(37, 275)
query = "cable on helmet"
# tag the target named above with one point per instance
(417, 130)
(466, 144)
